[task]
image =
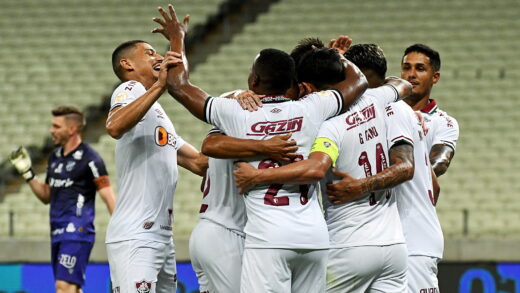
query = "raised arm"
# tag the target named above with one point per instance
(122, 119)
(350, 188)
(280, 148)
(178, 83)
(353, 86)
(302, 172)
(440, 158)
(403, 87)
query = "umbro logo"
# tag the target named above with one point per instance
(276, 110)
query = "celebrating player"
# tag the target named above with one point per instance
(222, 213)
(285, 231)
(421, 67)
(139, 236)
(74, 172)
(366, 253)
(416, 197)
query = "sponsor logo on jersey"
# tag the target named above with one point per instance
(58, 231)
(160, 114)
(70, 228)
(143, 286)
(162, 137)
(276, 110)
(94, 169)
(121, 97)
(59, 168)
(148, 225)
(276, 127)
(428, 290)
(70, 166)
(77, 155)
(166, 227)
(360, 117)
(60, 182)
(68, 261)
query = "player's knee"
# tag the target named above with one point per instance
(66, 287)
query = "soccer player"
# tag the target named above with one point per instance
(421, 67)
(285, 231)
(74, 172)
(139, 237)
(222, 213)
(367, 251)
(416, 197)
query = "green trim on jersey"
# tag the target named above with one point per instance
(327, 146)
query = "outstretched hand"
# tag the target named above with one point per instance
(244, 176)
(341, 44)
(345, 190)
(170, 25)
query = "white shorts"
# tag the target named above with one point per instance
(367, 269)
(143, 265)
(422, 274)
(216, 257)
(283, 270)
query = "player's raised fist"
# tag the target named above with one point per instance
(22, 163)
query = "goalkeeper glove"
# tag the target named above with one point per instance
(22, 163)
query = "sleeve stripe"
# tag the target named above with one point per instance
(116, 105)
(339, 100)
(207, 109)
(94, 169)
(449, 143)
(215, 130)
(397, 97)
(403, 138)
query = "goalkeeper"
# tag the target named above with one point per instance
(74, 172)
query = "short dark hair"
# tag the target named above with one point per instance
(303, 47)
(70, 113)
(435, 59)
(321, 67)
(368, 56)
(276, 70)
(119, 53)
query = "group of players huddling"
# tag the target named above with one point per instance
(320, 118)
(319, 115)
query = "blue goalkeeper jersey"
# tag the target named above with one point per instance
(73, 181)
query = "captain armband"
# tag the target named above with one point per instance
(327, 146)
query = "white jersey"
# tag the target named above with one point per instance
(357, 139)
(442, 128)
(221, 201)
(146, 161)
(280, 215)
(421, 226)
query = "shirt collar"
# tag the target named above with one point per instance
(431, 107)
(274, 99)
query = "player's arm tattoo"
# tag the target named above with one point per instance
(401, 169)
(440, 158)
